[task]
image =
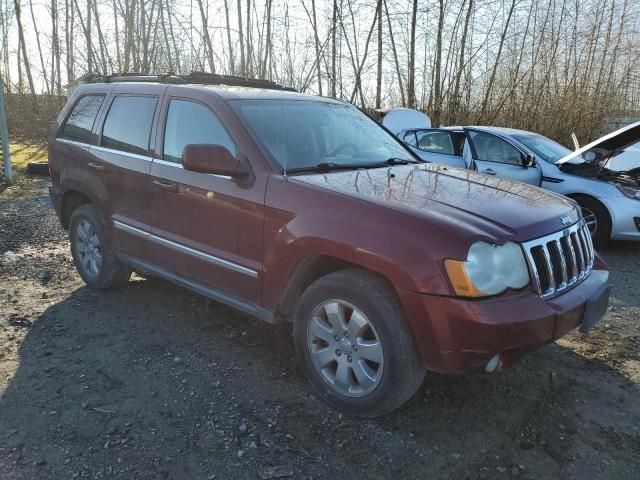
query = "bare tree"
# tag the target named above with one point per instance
(23, 47)
(411, 75)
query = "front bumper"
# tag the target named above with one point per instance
(456, 335)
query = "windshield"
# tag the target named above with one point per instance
(544, 147)
(302, 134)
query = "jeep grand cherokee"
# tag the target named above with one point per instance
(300, 208)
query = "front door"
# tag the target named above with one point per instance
(494, 155)
(208, 228)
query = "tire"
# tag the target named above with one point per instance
(93, 257)
(593, 210)
(364, 298)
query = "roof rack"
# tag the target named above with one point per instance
(202, 78)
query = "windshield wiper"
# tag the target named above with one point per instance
(325, 167)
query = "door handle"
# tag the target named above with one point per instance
(166, 186)
(97, 166)
(489, 171)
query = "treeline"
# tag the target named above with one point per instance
(553, 66)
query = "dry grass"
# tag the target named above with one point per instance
(23, 153)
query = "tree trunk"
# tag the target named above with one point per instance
(487, 95)
(437, 95)
(266, 64)
(248, 44)
(334, 30)
(455, 104)
(207, 37)
(317, 45)
(232, 61)
(395, 55)
(379, 73)
(411, 80)
(43, 65)
(242, 59)
(25, 58)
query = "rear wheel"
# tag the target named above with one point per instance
(354, 345)
(597, 219)
(96, 263)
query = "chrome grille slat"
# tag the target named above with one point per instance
(576, 245)
(587, 236)
(557, 248)
(549, 267)
(560, 260)
(585, 250)
(573, 260)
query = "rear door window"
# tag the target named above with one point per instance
(435, 142)
(189, 122)
(81, 119)
(128, 124)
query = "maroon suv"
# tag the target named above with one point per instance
(303, 209)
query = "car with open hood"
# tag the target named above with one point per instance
(605, 185)
(303, 209)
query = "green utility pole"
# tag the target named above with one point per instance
(4, 136)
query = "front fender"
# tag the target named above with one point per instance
(404, 249)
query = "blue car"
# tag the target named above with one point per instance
(609, 197)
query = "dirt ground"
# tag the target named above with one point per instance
(152, 381)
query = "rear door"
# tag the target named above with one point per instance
(493, 155)
(208, 227)
(69, 156)
(123, 157)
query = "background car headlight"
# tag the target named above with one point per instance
(488, 270)
(629, 191)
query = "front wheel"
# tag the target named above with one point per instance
(354, 345)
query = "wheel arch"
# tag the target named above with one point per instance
(309, 269)
(71, 199)
(578, 196)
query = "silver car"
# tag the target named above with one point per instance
(609, 198)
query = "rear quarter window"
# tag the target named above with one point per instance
(81, 119)
(128, 124)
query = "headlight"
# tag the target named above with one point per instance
(488, 270)
(629, 192)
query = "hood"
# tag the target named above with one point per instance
(613, 142)
(399, 119)
(485, 205)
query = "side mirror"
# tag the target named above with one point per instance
(215, 159)
(529, 161)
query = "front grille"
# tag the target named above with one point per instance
(560, 260)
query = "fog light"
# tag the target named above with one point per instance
(492, 364)
(637, 220)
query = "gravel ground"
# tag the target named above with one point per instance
(151, 381)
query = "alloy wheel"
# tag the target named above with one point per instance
(88, 248)
(345, 348)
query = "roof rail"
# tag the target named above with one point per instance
(202, 78)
